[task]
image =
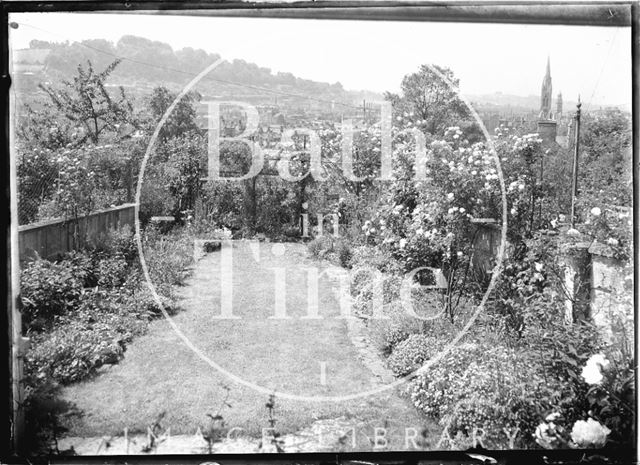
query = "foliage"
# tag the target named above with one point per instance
(606, 159)
(86, 103)
(178, 65)
(320, 246)
(332, 248)
(427, 97)
(35, 169)
(411, 353)
(48, 289)
(181, 120)
(610, 226)
(72, 352)
(607, 407)
(476, 386)
(185, 167)
(83, 310)
(168, 258)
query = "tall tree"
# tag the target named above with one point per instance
(427, 97)
(183, 117)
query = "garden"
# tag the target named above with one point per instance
(519, 374)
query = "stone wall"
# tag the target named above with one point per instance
(612, 292)
(600, 287)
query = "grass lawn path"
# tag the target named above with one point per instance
(161, 374)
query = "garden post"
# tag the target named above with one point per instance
(576, 262)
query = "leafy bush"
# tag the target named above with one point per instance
(320, 246)
(48, 289)
(410, 354)
(73, 351)
(121, 242)
(374, 257)
(145, 303)
(386, 334)
(111, 271)
(343, 250)
(88, 336)
(167, 258)
(489, 387)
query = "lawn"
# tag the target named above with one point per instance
(160, 374)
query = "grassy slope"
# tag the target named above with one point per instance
(159, 373)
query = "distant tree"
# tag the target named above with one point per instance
(425, 96)
(40, 44)
(185, 167)
(606, 160)
(87, 104)
(183, 117)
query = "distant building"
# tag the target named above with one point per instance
(545, 95)
(547, 124)
(559, 107)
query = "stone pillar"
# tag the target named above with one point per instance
(576, 262)
(548, 130)
(612, 296)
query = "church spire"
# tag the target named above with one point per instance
(545, 94)
(548, 67)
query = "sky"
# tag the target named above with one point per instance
(594, 62)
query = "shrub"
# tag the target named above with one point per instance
(375, 257)
(343, 251)
(386, 334)
(111, 271)
(95, 332)
(73, 351)
(410, 354)
(320, 246)
(48, 289)
(121, 242)
(488, 387)
(167, 257)
(145, 303)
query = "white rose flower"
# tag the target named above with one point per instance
(595, 211)
(450, 196)
(403, 243)
(612, 241)
(552, 416)
(591, 371)
(589, 433)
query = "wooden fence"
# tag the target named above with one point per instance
(49, 239)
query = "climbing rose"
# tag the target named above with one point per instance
(589, 433)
